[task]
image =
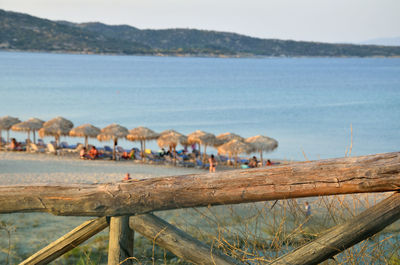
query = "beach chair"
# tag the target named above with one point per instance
(154, 157)
(40, 142)
(184, 161)
(120, 149)
(36, 149)
(51, 149)
(137, 155)
(108, 149)
(199, 163)
(64, 145)
(222, 159)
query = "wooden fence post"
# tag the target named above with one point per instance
(178, 242)
(341, 237)
(120, 246)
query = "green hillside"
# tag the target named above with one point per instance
(24, 32)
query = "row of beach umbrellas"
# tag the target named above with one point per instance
(227, 143)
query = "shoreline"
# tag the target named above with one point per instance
(212, 56)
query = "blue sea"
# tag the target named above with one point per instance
(308, 104)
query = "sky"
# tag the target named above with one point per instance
(335, 21)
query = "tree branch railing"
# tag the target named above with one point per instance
(374, 173)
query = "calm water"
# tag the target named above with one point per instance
(305, 103)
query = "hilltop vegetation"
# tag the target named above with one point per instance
(27, 33)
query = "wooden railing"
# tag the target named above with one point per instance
(127, 206)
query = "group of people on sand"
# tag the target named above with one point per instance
(15, 146)
(130, 155)
(251, 164)
(92, 154)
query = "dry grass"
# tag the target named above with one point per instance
(258, 233)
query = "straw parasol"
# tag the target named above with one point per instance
(226, 137)
(85, 130)
(202, 138)
(142, 134)
(5, 124)
(33, 124)
(234, 148)
(262, 144)
(56, 127)
(36, 125)
(114, 132)
(171, 139)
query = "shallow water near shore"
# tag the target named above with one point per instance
(307, 104)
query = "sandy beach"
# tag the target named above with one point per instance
(24, 168)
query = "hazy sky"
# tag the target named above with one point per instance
(311, 20)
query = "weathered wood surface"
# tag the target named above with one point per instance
(375, 173)
(368, 223)
(178, 242)
(120, 245)
(67, 242)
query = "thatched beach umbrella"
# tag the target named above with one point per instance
(56, 127)
(226, 137)
(85, 130)
(234, 148)
(262, 144)
(36, 124)
(6, 122)
(202, 138)
(31, 125)
(142, 134)
(168, 132)
(171, 139)
(114, 132)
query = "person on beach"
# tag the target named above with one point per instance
(212, 163)
(132, 154)
(82, 153)
(93, 153)
(253, 162)
(127, 176)
(125, 155)
(162, 153)
(15, 146)
(269, 163)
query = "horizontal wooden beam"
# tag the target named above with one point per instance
(374, 173)
(341, 237)
(178, 242)
(67, 242)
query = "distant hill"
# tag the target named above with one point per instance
(27, 33)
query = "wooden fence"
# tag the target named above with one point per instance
(126, 207)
